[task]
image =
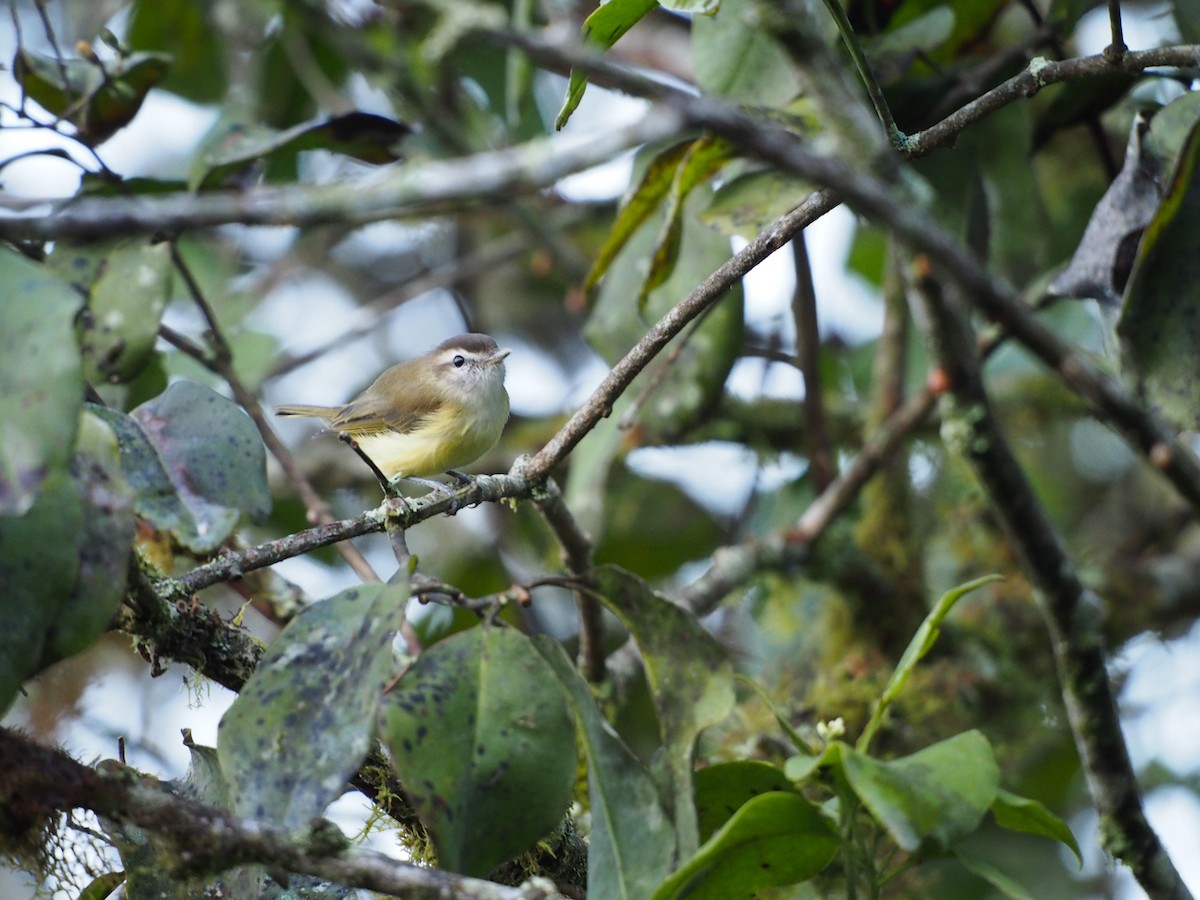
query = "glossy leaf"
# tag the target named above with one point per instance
(39, 563)
(155, 498)
(971, 23)
(921, 643)
(41, 386)
(1101, 264)
(1017, 813)
(63, 563)
(653, 527)
(638, 205)
(603, 28)
(212, 453)
(303, 722)
(695, 378)
(690, 678)
(105, 541)
(703, 159)
(775, 839)
(1159, 331)
(127, 285)
(482, 738)
(935, 797)
(631, 844)
(722, 789)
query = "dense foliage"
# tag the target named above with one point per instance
(766, 602)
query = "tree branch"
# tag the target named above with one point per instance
(707, 293)
(1072, 611)
(408, 190)
(577, 557)
(808, 351)
(484, 489)
(37, 783)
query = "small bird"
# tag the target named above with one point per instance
(428, 415)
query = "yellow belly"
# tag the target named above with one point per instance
(432, 449)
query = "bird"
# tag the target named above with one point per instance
(433, 414)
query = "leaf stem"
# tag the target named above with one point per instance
(865, 72)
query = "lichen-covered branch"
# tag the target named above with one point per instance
(1072, 611)
(38, 783)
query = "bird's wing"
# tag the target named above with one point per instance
(366, 416)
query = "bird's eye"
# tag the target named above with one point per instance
(459, 361)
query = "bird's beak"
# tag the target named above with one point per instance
(499, 356)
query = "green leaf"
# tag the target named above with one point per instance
(690, 679)
(601, 30)
(212, 452)
(722, 789)
(735, 57)
(638, 205)
(97, 100)
(101, 886)
(303, 722)
(921, 643)
(935, 797)
(775, 839)
(746, 204)
(183, 29)
(39, 563)
(233, 147)
(892, 51)
(631, 844)
(703, 159)
(63, 563)
(1187, 17)
(482, 738)
(155, 497)
(993, 876)
(1160, 336)
(693, 380)
(694, 7)
(651, 527)
(127, 284)
(41, 387)
(104, 539)
(1017, 813)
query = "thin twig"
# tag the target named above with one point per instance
(48, 29)
(865, 72)
(707, 293)
(1116, 48)
(484, 489)
(221, 362)
(808, 351)
(577, 557)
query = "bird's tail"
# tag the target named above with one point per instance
(316, 412)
